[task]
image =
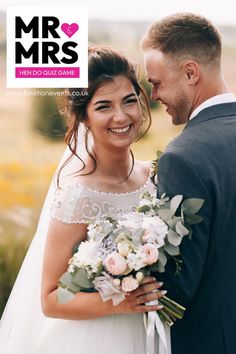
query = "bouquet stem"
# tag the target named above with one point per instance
(171, 310)
(165, 318)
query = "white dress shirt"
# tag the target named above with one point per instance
(223, 98)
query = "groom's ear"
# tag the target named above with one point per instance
(192, 71)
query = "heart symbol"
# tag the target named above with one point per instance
(69, 30)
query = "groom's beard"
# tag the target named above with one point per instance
(180, 111)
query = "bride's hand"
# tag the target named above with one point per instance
(136, 300)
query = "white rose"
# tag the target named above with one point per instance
(124, 248)
(86, 254)
(136, 261)
(155, 230)
(116, 282)
(139, 276)
(131, 221)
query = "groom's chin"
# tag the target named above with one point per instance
(176, 120)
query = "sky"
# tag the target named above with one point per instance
(220, 12)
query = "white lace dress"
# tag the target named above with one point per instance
(115, 334)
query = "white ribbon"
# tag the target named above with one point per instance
(158, 334)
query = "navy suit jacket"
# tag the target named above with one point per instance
(201, 162)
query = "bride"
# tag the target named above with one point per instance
(97, 176)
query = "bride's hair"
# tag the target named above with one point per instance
(23, 326)
(104, 64)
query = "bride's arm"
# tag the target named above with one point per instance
(58, 250)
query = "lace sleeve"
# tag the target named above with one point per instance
(70, 205)
(77, 204)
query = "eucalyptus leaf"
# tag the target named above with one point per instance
(165, 214)
(67, 281)
(106, 229)
(174, 238)
(175, 203)
(100, 269)
(64, 295)
(181, 229)
(162, 258)
(137, 236)
(122, 235)
(171, 249)
(172, 222)
(192, 205)
(154, 267)
(160, 267)
(81, 279)
(193, 219)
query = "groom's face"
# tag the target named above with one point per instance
(168, 85)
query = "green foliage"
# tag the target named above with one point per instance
(12, 252)
(46, 118)
(81, 279)
(64, 295)
(148, 88)
(72, 283)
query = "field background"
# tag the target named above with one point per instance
(28, 160)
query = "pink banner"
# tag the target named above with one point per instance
(42, 72)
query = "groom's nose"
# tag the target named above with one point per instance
(154, 94)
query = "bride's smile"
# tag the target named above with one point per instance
(120, 131)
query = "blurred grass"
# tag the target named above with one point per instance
(23, 185)
(12, 252)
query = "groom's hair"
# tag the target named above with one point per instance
(185, 36)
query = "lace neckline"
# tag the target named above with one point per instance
(138, 190)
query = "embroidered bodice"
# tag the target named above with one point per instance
(79, 204)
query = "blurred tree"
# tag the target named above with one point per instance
(148, 88)
(12, 252)
(46, 119)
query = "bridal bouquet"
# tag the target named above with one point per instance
(119, 253)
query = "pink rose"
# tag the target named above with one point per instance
(115, 263)
(151, 253)
(129, 284)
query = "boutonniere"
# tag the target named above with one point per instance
(154, 167)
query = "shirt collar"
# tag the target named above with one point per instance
(223, 98)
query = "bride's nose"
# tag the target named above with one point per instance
(120, 114)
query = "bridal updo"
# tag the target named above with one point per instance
(104, 64)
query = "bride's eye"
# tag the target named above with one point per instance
(131, 100)
(102, 108)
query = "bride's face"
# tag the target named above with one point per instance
(114, 115)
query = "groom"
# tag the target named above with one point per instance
(183, 63)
